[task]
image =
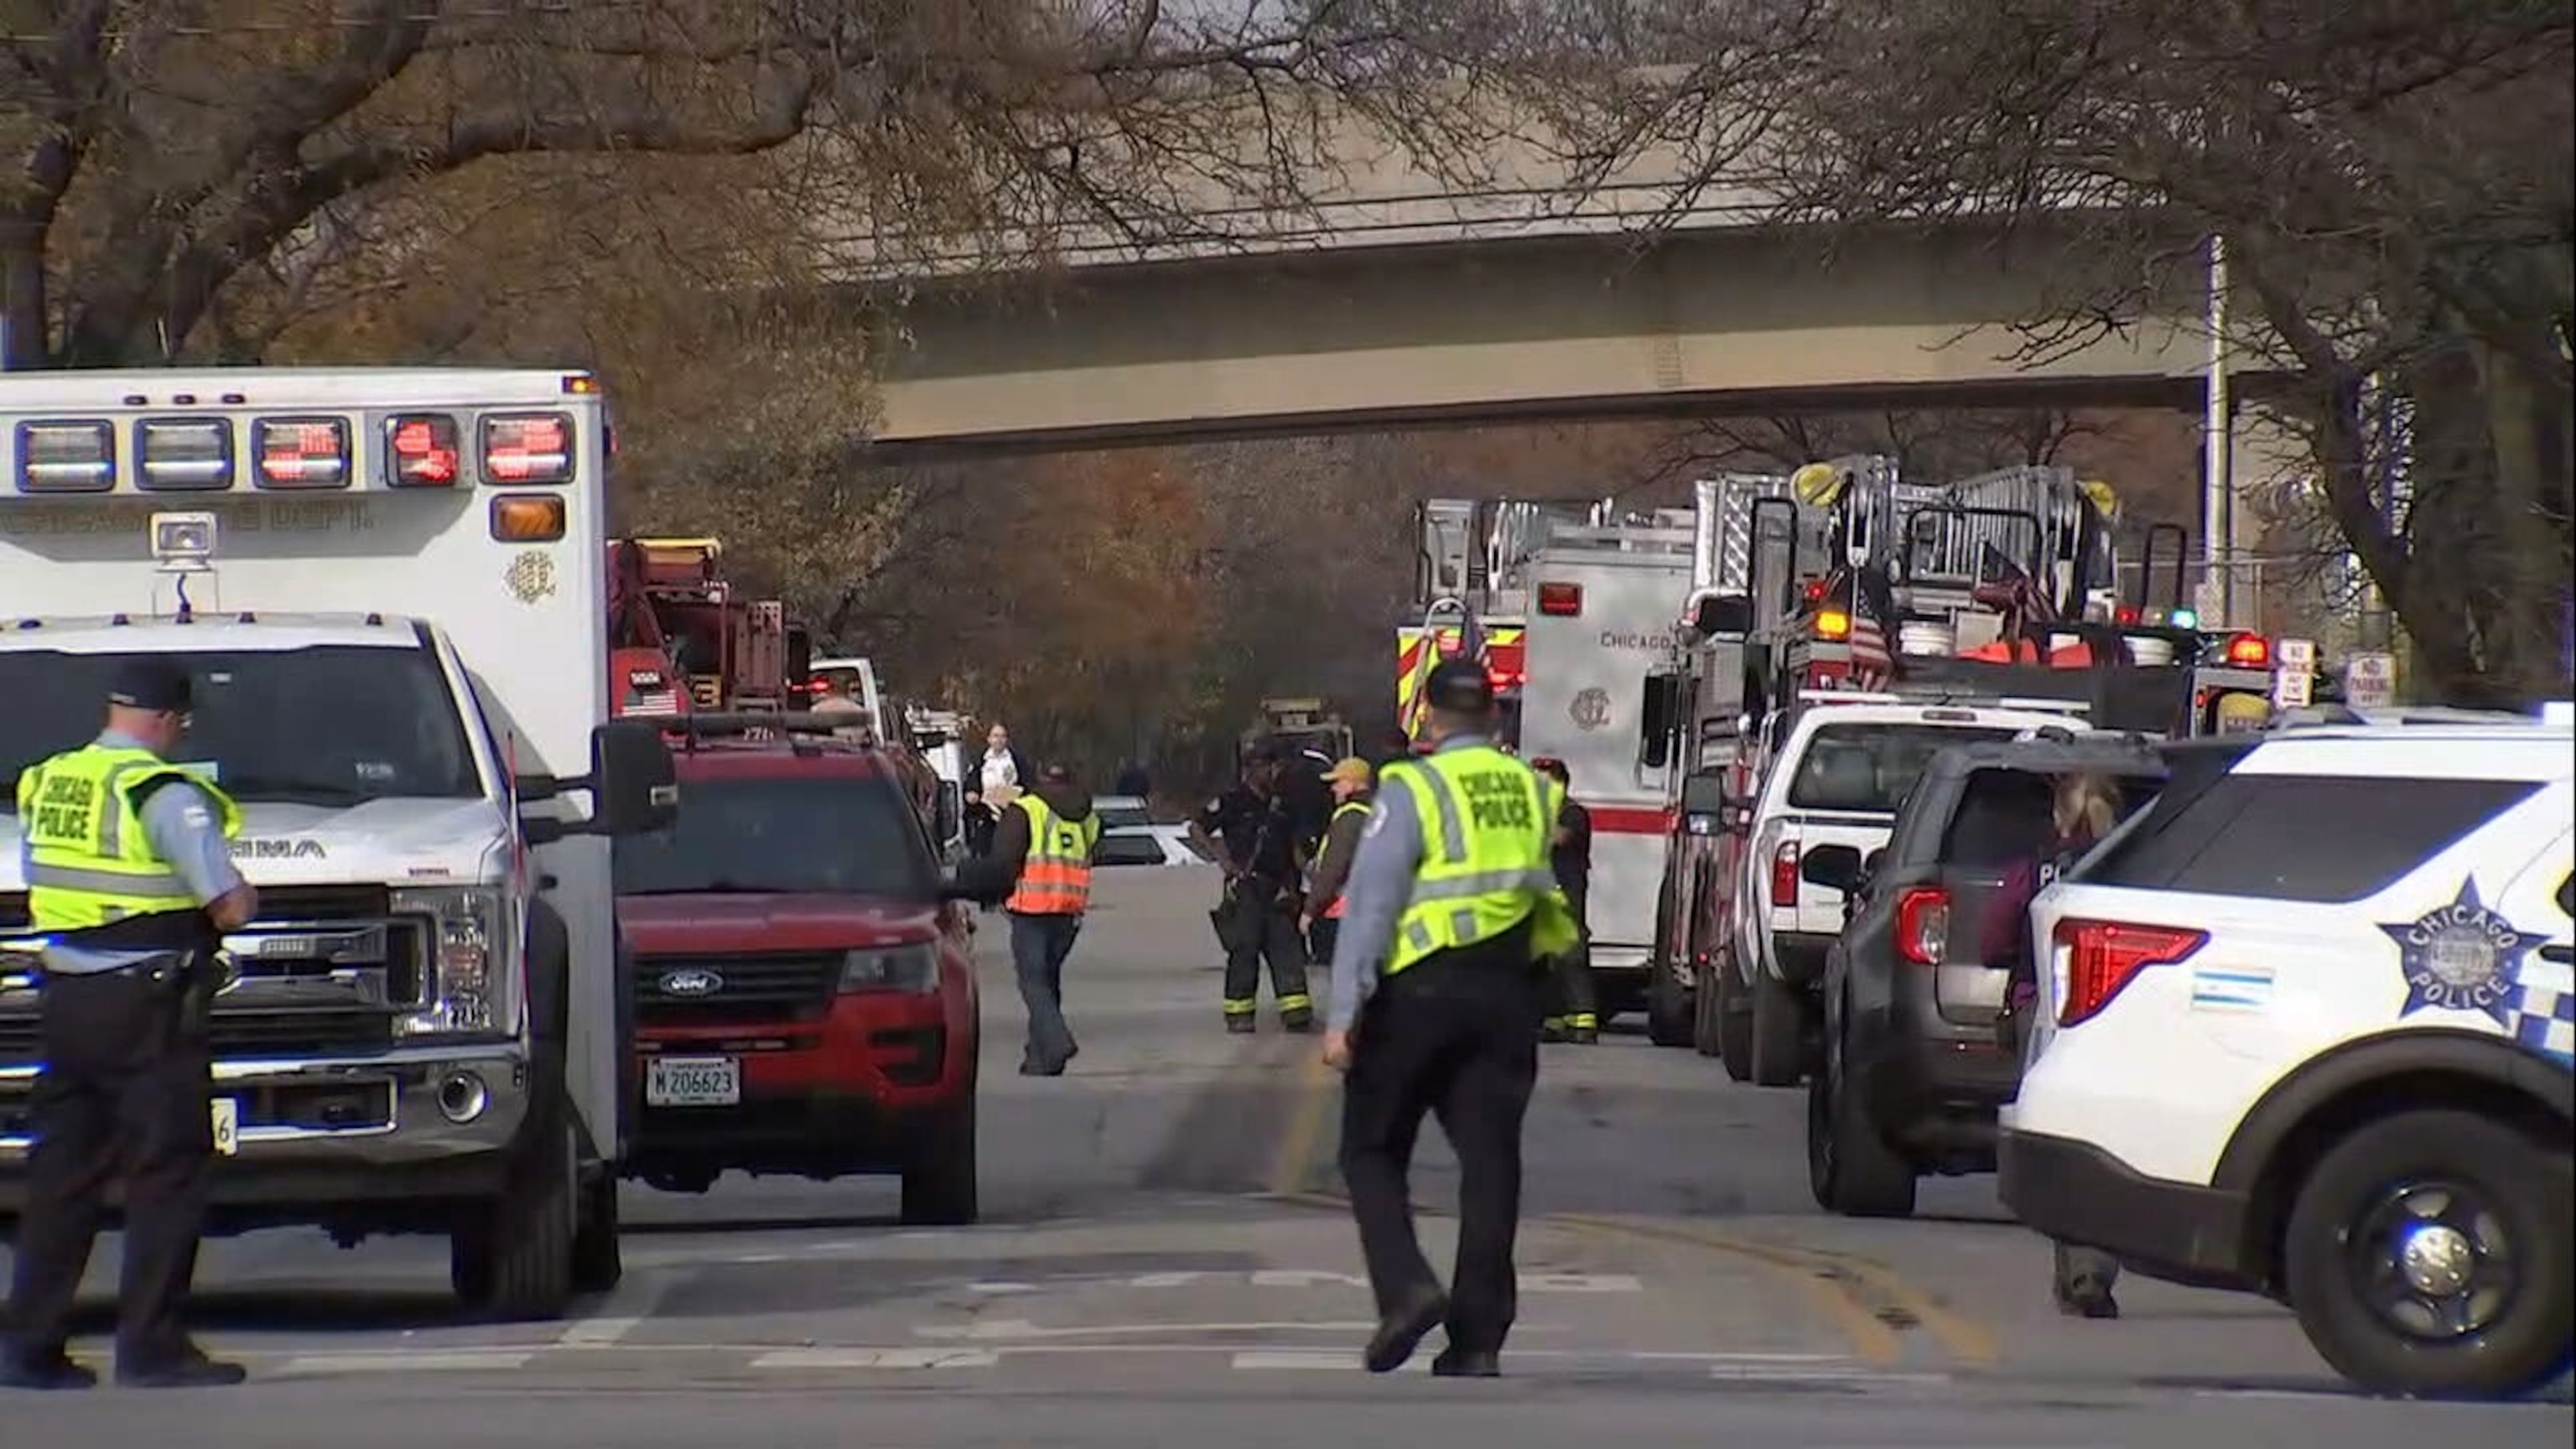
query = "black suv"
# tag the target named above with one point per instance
(1914, 1065)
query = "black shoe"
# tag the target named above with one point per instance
(1399, 1335)
(1238, 1026)
(191, 1370)
(1456, 1363)
(1041, 1069)
(1300, 1022)
(2087, 1298)
(48, 1371)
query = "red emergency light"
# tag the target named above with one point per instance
(2249, 651)
(1560, 601)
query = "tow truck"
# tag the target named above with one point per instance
(681, 639)
(388, 586)
(1845, 583)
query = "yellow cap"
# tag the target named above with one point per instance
(1350, 771)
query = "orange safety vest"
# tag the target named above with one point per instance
(1055, 879)
(1341, 898)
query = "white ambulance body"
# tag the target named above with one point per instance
(389, 586)
(1603, 606)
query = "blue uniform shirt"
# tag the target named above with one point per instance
(1380, 887)
(185, 831)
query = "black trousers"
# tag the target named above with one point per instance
(124, 1095)
(1254, 932)
(1455, 1036)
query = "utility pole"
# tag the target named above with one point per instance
(2218, 485)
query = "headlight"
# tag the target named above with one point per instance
(900, 968)
(472, 981)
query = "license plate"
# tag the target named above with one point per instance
(692, 1082)
(227, 1127)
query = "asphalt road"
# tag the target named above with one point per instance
(1162, 1260)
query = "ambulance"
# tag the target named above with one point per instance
(389, 587)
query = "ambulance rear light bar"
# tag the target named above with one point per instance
(66, 456)
(422, 451)
(295, 453)
(184, 455)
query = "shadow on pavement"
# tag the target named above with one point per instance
(328, 1310)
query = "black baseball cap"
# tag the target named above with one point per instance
(151, 682)
(1459, 686)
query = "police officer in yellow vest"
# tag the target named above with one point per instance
(1452, 906)
(1045, 839)
(130, 884)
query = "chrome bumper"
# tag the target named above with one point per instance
(417, 1131)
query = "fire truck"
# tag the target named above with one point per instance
(681, 641)
(1846, 580)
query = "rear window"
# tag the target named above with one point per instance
(1870, 768)
(1127, 850)
(2006, 816)
(2319, 839)
(844, 835)
(1124, 817)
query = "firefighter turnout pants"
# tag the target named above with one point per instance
(124, 1094)
(1254, 931)
(1455, 1036)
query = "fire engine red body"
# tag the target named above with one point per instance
(680, 640)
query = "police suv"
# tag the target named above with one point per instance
(2305, 1031)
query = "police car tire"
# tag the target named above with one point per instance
(1734, 1021)
(939, 1169)
(2523, 1177)
(1779, 1032)
(511, 1256)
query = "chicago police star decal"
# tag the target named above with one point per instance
(2462, 957)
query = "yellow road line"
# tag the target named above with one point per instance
(1295, 1162)
(1872, 1341)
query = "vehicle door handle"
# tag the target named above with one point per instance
(2562, 955)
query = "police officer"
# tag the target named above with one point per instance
(131, 884)
(1453, 905)
(1252, 831)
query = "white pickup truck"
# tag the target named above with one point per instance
(388, 586)
(1838, 766)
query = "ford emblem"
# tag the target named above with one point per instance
(691, 983)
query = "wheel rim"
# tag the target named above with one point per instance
(2432, 1261)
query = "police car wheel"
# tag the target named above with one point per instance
(2428, 1254)
(1850, 1168)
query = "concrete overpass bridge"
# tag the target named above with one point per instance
(1394, 299)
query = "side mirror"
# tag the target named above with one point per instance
(1658, 712)
(631, 783)
(1835, 867)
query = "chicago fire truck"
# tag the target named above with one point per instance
(680, 639)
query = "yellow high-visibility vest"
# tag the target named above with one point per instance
(1488, 823)
(1055, 877)
(90, 862)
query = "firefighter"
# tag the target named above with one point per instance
(1453, 905)
(1352, 783)
(1251, 831)
(131, 882)
(1577, 1011)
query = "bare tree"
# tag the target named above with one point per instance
(2393, 185)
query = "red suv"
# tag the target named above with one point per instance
(804, 985)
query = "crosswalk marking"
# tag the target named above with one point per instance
(466, 1361)
(877, 1358)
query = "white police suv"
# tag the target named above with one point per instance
(2306, 1032)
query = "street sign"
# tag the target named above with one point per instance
(2370, 681)
(2298, 654)
(2292, 688)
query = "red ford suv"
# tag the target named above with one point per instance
(804, 986)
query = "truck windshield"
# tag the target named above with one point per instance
(1870, 768)
(786, 835)
(323, 725)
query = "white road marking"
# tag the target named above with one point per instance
(1581, 1283)
(1306, 1278)
(1295, 1360)
(1018, 1329)
(1001, 1288)
(414, 1363)
(1817, 1374)
(877, 1358)
(641, 1300)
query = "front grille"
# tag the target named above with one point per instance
(745, 990)
(325, 1032)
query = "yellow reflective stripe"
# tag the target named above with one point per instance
(155, 885)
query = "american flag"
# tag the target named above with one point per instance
(2009, 590)
(1873, 663)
